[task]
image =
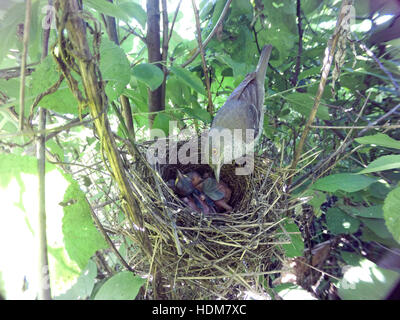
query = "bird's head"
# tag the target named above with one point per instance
(183, 184)
(219, 148)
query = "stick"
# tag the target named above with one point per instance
(210, 36)
(28, 11)
(210, 108)
(325, 72)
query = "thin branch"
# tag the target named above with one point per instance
(49, 91)
(210, 107)
(174, 20)
(44, 276)
(211, 35)
(381, 66)
(107, 238)
(14, 73)
(300, 48)
(340, 150)
(28, 12)
(164, 53)
(132, 31)
(330, 50)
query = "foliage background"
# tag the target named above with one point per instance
(351, 199)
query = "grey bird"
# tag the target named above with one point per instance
(240, 120)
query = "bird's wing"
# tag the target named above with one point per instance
(238, 114)
(247, 90)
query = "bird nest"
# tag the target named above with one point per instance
(219, 255)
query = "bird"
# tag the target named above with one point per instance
(218, 192)
(243, 110)
(185, 185)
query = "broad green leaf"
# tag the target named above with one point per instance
(315, 71)
(134, 10)
(366, 212)
(379, 189)
(19, 194)
(81, 237)
(190, 79)
(391, 212)
(303, 103)
(161, 121)
(241, 7)
(150, 74)
(383, 163)
(296, 247)
(8, 28)
(198, 112)
(12, 166)
(122, 286)
(44, 77)
(368, 235)
(378, 227)
(84, 285)
(310, 5)
(347, 182)
(339, 222)
(109, 9)
(380, 139)
(351, 258)
(114, 67)
(239, 68)
(366, 281)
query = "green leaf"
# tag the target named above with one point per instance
(190, 79)
(366, 281)
(378, 227)
(351, 258)
(134, 10)
(339, 222)
(296, 247)
(303, 103)
(122, 286)
(13, 166)
(84, 285)
(310, 5)
(44, 77)
(198, 112)
(391, 213)
(150, 74)
(380, 139)
(8, 28)
(109, 9)
(366, 212)
(383, 163)
(347, 182)
(81, 237)
(161, 121)
(114, 67)
(241, 7)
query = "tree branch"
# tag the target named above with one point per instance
(28, 13)
(300, 48)
(210, 36)
(210, 107)
(154, 54)
(329, 52)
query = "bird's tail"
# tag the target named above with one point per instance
(263, 62)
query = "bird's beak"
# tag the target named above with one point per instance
(217, 171)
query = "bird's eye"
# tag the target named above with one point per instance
(214, 151)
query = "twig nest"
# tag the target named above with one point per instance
(207, 255)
